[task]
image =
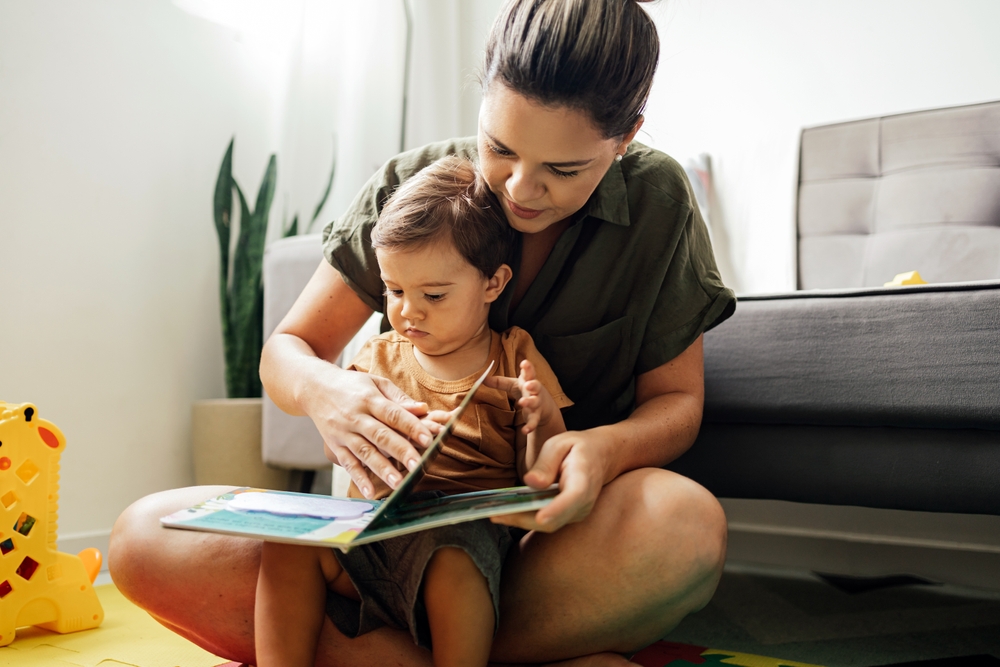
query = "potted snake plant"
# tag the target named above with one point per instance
(226, 432)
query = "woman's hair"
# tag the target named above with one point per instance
(448, 198)
(597, 56)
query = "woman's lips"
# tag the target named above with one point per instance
(521, 212)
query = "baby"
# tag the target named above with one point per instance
(441, 242)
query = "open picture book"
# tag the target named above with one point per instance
(302, 518)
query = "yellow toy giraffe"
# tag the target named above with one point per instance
(38, 585)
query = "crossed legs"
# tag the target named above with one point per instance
(650, 553)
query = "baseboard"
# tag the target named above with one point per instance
(74, 543)
(967, 564)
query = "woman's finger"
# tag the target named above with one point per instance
(349, 462)
(396, 395)
(367, 449)
(393, 429)
(523, 520)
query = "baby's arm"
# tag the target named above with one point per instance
(542, 417)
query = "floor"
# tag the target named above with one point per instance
(794, 616)
(800, 617)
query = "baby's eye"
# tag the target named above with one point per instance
(434, 297)
(392, 292)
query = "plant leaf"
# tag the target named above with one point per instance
(222, 211)
(246, 292)
(292, 229)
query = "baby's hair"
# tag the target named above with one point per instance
(448, 198)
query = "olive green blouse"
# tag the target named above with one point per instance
(629, 286)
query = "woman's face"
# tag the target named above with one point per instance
(542, 162)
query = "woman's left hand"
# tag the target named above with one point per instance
(574, 460)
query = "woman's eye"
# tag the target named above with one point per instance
(500, 151)
(434, 297)
(564, 174)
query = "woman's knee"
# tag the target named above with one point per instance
(139, 550)
(674, 515)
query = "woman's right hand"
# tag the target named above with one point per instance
(366, 423)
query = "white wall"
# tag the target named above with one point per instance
(739, 80)
(114, 116)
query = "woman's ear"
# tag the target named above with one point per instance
(627, 139)
(499, 280)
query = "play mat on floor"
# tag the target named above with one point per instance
(131, 638)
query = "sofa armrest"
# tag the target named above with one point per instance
(288, 441)
(881, 397)
(924, 356)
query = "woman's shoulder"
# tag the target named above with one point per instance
(406, 164)
(652, 171)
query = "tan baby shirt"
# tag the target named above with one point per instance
(480, 454)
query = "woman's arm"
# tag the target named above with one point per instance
(669, 401)
(360, 417)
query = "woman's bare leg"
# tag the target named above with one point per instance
(202, 586)
(650, 553)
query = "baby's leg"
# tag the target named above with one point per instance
(291, 602)
(459, 609)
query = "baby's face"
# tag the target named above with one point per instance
(434, 297)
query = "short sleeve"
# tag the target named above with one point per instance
(347, 241)
(364, 360)
(691, 300)
(520, 346)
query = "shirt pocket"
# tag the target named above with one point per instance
(581, 361)
(496, 433)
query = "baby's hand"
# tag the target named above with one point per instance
(536, 403)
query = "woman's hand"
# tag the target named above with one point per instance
(573, 459)
(366, 423)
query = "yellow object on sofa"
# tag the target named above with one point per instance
(908, 278)
(38, 585)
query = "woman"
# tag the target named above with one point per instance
(616, 282)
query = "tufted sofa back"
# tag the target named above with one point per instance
(916, 191)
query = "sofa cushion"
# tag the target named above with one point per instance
(917, 191)
(922, 356)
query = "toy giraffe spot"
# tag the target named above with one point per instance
(48, 437)
(24, 523)
(28, 471)
(26, 570)
(39, 585)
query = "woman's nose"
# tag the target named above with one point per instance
(523, 187)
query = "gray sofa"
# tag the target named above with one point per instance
(852, 393)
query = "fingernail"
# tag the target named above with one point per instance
(412, 464)
(424, 439)
(366, 490)
(393, 480)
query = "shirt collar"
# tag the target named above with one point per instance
(610, 200)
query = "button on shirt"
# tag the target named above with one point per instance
(627, 287)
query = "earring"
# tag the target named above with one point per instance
(618, 158)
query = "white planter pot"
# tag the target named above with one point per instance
(225, 436)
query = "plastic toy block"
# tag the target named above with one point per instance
(38, 585)
(908, 278)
